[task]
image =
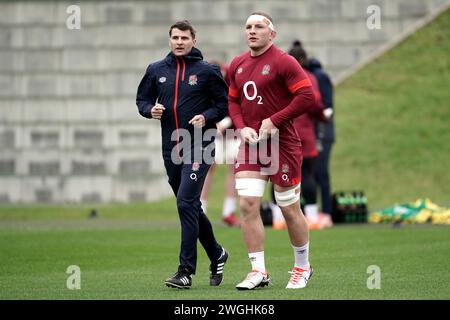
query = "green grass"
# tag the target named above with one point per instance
(392, 122)
(166, 209)
(132, 263)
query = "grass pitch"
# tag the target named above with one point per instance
(123, 259)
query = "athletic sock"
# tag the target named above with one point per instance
(229, 206)
(312, 212)
(301, 255)
(277, 215)
(257, 261)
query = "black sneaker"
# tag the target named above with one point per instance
(216, 269)
(181, 280)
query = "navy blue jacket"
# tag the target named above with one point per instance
(186, 86)
(326, 130)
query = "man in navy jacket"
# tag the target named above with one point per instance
(188, 96)
(325, 134)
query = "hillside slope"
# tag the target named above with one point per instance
(392, 122)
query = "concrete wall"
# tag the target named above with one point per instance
(69, 127)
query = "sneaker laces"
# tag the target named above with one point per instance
(181, 273)
(296, 275)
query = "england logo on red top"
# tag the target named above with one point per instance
(265, 70)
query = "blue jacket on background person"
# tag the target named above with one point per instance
(325, 135)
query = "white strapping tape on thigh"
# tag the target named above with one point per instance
(286, 198)
(251, 187)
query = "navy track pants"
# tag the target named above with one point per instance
(187, 181)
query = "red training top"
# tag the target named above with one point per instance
(305, 123)
(273, 85)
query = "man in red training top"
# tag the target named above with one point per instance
(268, 89)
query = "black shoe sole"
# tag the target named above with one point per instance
(173, 285)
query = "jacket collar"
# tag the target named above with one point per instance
(193, 55)
(314, 64)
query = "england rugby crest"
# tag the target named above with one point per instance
(195, 166)
(285, 168)
(265, 70)
(239, 70)
(192, 80)
(162, 79)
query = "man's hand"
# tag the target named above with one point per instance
(223, 125)
(157, 111)
(327, 113)
(249, 135)
(266, 129)
(198, 121)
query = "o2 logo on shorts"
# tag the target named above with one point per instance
(193, 176)
(285, 177)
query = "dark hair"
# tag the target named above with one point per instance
(183, 26)
(265, 15)
(299, 53)
(297, 43)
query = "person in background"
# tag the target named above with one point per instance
(306, 130)
(325, 138)
(226, 151)
(305, 126)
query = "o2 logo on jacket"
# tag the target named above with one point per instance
(193, 80)
(162, 79)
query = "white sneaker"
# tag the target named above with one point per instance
(253, 280)
(299, 278)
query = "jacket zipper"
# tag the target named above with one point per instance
(184, 69)
(175, 100)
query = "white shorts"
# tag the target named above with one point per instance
(226, 150)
